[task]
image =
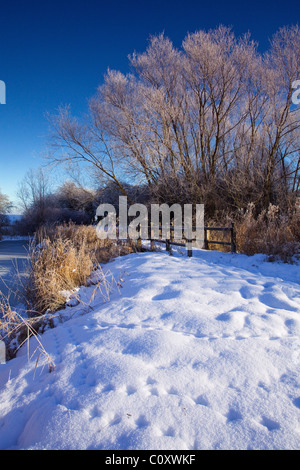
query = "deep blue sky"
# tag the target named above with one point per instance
(56, 52)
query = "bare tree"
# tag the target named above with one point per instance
(76, 198)
(203, 123)
(5, 208)
(34, 188)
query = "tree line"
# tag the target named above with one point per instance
(211, 122)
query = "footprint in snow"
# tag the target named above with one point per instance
(224, 317)
(142, 421)
(108, 388)
(168, 294)
(270, 300)
(233, 415)
(296, 402)
(95, 412)
(116, 420)
(263, 386)
(247, 292)
(270, 424)
(292, 325)
(170, 432)
(151, 381)
(130, 390)
(201, 400)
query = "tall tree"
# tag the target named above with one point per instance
(210, 121)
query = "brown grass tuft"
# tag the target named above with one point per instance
(271, 233)
(63, 258)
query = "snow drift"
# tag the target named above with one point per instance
(199, 353)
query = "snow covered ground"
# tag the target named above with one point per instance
(192, 353)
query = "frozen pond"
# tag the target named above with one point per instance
(13, 259)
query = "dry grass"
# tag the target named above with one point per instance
(60, 259)
(271, 233)
(221, 220)
(16, 330)
(63, 258)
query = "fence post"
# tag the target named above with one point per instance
(139, 240)
(189, 246)
(152, 243)
(2, 352)
(205, 239)
(233, 240)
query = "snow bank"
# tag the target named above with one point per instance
(16, 238)
(193, 353)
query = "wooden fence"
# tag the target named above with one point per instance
(189, 243)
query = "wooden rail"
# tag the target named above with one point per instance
(232, 242)
(189, 243)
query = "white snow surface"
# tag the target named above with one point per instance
(192, 353)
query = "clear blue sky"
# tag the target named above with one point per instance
(56, 52)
